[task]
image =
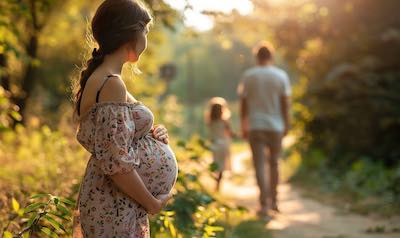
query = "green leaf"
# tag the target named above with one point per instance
(32, 219)
(55, 223)
(63, 209)
(15, 205)
(46, 231)
(58, 215)
(40, 195)
(202, 142)
(20, 212)
(67, 201)
(181, 143)
(242, 208)
(191, 177)
(168, 213)
(213, 167)
(16, 115)
(194, 157)
(34, 206)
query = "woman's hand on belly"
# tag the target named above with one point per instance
(160, 204)
(132, 184)
(160, 133)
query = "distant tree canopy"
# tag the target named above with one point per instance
(343, 58)
(40, 44)
(347, 53)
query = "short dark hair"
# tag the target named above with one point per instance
(263, 51)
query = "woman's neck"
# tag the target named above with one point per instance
(114, 62)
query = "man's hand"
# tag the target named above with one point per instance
(285, 108)
(245, 133)
(286, 129)
(160, 133)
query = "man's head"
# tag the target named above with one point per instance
(264, 52)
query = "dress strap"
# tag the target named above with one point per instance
(98, 92)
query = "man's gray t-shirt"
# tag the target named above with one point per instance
(263, 87)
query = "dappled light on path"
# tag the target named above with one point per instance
(300, 217)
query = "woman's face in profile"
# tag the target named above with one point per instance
(140, 46)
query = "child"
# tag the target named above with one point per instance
(220, 135)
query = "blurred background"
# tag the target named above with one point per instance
(343, 149)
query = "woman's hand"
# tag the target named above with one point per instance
(159, 204)
(160, 133)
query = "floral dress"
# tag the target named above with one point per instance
(117, 134)
(220, 146)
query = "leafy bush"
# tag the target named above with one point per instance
(38, 160)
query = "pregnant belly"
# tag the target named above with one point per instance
(158, 167)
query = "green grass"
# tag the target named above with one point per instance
(243, 225)
(345, 200)
(250, 228)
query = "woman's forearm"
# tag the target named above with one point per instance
(132, 185)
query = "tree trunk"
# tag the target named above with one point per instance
(4, 77)
(28, 79)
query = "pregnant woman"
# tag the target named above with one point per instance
(132, 169)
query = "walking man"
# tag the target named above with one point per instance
(264, 93)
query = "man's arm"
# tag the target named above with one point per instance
(285, 109)
(243, 108)
(244, 118)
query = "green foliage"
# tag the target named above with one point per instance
(45, 214)
(369, 185)
(53, 42)
(350, 78)
(201, 73)
(33, 160)
(252, 228)
(193, 212)
(37, 160)
(8, 111)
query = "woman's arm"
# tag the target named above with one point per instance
(132, 185)
(129, 97)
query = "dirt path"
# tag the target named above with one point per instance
(300, 217)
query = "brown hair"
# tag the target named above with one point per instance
(115, 23)
(218, 110)
(263, 51)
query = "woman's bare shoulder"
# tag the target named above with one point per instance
(114, 90)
